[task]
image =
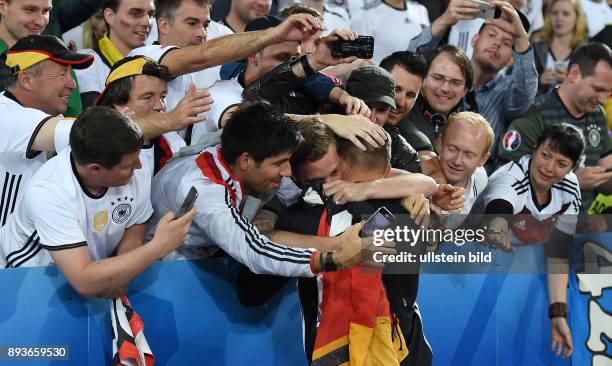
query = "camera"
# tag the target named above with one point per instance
(362, 47)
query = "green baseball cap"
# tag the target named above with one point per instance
(372, 84)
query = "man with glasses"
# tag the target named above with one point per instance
(448, 79)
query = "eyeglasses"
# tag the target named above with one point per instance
(440, 80)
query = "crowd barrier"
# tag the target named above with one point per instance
(192, 315)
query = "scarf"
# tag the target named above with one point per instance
(108, 49)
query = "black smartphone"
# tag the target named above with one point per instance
(380, 220)
(188, 203)
(362, 47)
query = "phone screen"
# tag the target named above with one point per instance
(188, 203)
(381, 219)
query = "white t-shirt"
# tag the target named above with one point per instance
(598, 14)
(58, 213)
(392, 28)
(532, 223)
(93, 78)
(476, 185)
(226, 94)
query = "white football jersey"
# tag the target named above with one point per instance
(57, 212)
(532, 222)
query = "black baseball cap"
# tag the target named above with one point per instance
(30, 50)
(264, 22)
(372, 84)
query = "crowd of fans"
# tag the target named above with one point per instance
(105, 133)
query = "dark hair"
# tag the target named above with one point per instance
(118, 92)
(102, 135)
(300, 9)
(259, 130)
(167, 8)
(414, 63)
(588, 56)
(459, 57)
(111, 4)
(565, 139)
(373, 158)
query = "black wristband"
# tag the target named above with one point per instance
(329, 262)
(557, 309)
(306, 66)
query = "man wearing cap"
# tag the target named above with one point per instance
(499, 98)
(21, 18)
(138, 85)
(37, 95)
(376, 87)
(408, 70)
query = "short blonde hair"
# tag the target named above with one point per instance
(472, 119)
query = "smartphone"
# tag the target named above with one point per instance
(381, 219)
(486, 11)
(362, 47)
(188, 203)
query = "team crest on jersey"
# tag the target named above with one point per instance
(100, 220)
(512, 140)
(594, 137)
(121, 213)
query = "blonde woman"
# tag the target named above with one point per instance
(93, 29)
(564, 29)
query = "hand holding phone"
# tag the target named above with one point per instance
(380, 220)
(188, 203)
(362, 47)
(486, 11)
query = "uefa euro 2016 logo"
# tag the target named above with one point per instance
(512, 140)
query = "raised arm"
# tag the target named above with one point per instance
(239, 46)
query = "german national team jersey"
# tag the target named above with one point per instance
(218, 220)
(57, 212)
(533, 223)
(18, 162)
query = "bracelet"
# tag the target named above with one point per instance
(306, 66)
(557, 309)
